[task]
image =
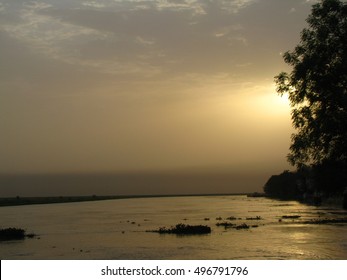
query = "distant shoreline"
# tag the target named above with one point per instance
(20, 201)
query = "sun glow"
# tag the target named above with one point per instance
(279, 103)
(270, 103)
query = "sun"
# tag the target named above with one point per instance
(268, 102)
(283, 100)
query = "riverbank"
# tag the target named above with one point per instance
(333, 202)
(18, 201)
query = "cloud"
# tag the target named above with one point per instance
(195, 7)
(44, 33)
(94, 4)
(149, 38)
(70, 43)
(246, 64)
(144, 42)
(235, 6)
(130, 37)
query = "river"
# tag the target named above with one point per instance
(120, 229)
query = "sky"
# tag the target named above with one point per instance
(114, 86)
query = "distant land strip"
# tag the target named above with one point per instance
(17, 201)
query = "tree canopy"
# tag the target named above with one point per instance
(283, 186)
(317, 87)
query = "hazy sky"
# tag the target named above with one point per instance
(113, 85)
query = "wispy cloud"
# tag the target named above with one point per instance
(63, 41)
(141, 37)
(45, 33)
(2, 7)
(234, 6)
(94, 4)
(195, 7)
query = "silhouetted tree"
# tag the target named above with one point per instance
(317, 88)
(283, 186)
(329, 177)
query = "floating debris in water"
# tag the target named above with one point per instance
(185, 229)
(219, 218)
(234, 226)
(291, 217)
(31, 235)
(242, 226)
(325, 221)
(231, 218)
(254, 218)
(338, 213)
(225, 224)
(14, 234)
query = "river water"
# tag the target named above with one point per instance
(118, 229)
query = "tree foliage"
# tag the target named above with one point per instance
(283, 186)
(317, 87)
